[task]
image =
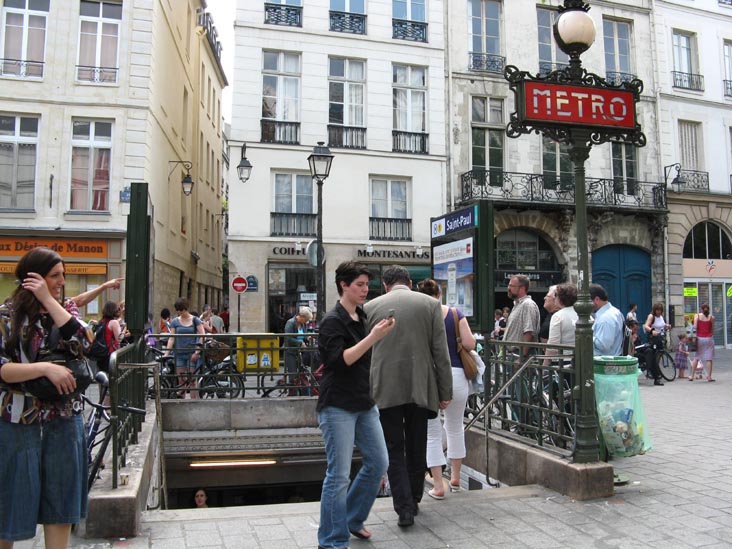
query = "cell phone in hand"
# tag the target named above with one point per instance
(391, 314)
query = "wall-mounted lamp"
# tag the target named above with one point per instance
(244, 169)
(298, 246)
(195, 256)
(369, 248)
(677, 183)
(418, 251)
(187, 181)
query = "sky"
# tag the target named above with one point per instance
(223, 13)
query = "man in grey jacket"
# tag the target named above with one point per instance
(411, 379)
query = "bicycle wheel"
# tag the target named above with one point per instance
(279, 390)
(666, 366)
(96, 462)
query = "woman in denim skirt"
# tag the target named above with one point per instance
(43, 464)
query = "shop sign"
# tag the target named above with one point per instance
(691, 292)
(395, 254)
(66, 247)
(309, 296)
(287, 250)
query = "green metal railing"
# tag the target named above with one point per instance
(529, 394)
(126, 385)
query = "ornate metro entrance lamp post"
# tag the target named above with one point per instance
(579, 109)
(320, 161)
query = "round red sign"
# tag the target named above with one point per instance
(239, 284)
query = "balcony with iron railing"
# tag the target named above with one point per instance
(545, 67)
(410, 142)
(21, 68)
(727, 86)
(278, 14)
(101, 75)
(346, 137)
(390, 228)
(693, 181)
(415, 31)
(292, 224)
(688, 81)
(353, 23)
(278, 131)
(616, 78)
(486, 62)
(514, 188)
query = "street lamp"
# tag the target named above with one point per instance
(187, 180)
(677, 183)
(555, 105)
(320, 161)
(244, 169)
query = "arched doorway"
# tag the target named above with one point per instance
(625, 272)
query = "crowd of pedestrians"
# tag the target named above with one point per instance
(393, 384)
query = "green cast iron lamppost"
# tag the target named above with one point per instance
(580, 109)
(320, 161)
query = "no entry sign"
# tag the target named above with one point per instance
(239, 284)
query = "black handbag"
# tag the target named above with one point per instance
(42, 387)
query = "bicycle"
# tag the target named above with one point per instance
(305, 382)
(664, 360)
(213, 379)
(93, 428)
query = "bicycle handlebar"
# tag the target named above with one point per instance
(124, 407)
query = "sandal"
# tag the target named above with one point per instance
(363, 533)
(454, 488)
(710, 379)
(432, 494)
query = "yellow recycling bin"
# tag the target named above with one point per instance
(257, 352)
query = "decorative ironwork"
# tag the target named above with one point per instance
(562, 132)
(21, 68)
(487, 62)
(346, 137)
(727, 85)
(410, 142)
(354, 23)
(277, 131)
(409, 30)
(688, 81)
(694, 181)
(104, 75)
(514, 187)
(277, 14)
(617, 78)
(389, 228)
(292, 224)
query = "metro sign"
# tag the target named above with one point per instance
(577, 105)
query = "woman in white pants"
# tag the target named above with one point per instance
(453, 414)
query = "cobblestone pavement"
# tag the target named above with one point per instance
(678, 495)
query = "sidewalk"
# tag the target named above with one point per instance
(679, 495)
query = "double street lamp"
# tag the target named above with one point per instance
(320, 161)
(555, 105)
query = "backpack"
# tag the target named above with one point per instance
(98, 349)
(627, 349)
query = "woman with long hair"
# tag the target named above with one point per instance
(43, 462)
(704, 329)
(112, 332)
(453, 414)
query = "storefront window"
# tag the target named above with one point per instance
(289, 287)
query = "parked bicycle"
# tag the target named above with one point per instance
(306, 382)
(98, 427)
(213, 379)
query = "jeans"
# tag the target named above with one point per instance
(344, 509)
(405, 431)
